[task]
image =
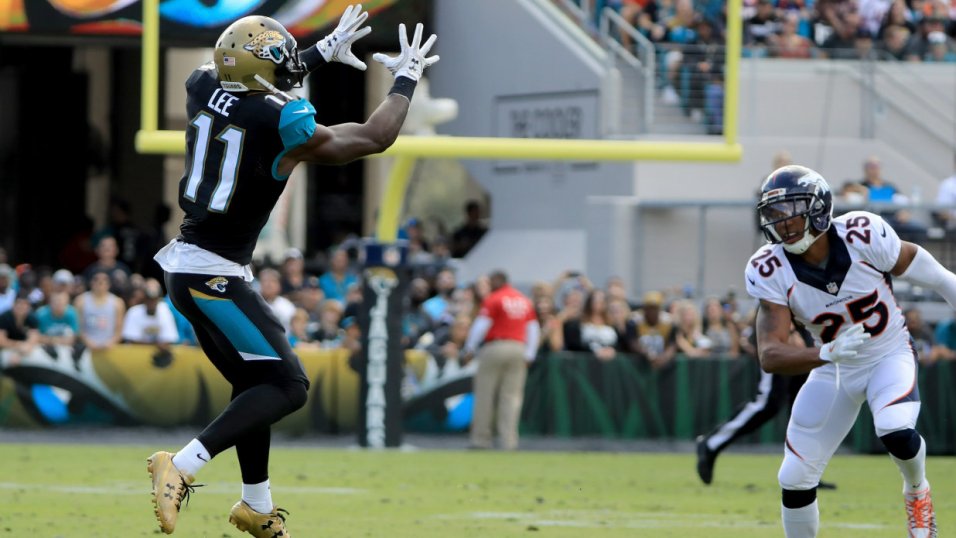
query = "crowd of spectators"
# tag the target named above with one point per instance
(913, 30)
(689, 36)
(107, 302)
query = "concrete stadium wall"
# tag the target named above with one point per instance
(548, 217)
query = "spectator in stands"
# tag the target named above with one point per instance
(630, 11)
(690, 337)
(655, 336)
(572, 307)
(106, 260)
(720, 329)
(309, 298)
(351, 334)
(466, 236)
(863, 45)
(151, 322)
(100, 313)
(879, 190)
(896, 16)
(617, 290)
(292, 271)
(62, 280)
(946, 196)
(761, 27)
(508, 334)
(270, 287)
(841, 43)
(415, 321)
(788, 43)
(919, 44)
(945, 336)
(874, 187)
(7, 291)
(28, 283)
(419, 251)
(924, 341)
(128, 238)
(329, 333)
(940, 50)
(894, 42)
(480, 289)
(435, 307)
(449, 340)
(648, 23)
(592, 331)
(18, 329)
(440, 250)
(619, 317)
(703, 57)
(541, 288)
(299, 336)
(548, 320)
(336, 281)
(872, 14)
(57, 321)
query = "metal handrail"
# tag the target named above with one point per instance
(643, 62)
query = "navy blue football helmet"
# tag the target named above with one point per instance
(795, 191)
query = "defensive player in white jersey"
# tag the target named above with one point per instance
(834, 277)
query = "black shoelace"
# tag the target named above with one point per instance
(187, 489)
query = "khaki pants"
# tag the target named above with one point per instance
(499, 393)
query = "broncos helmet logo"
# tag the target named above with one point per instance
(268, 46)
(218, 284)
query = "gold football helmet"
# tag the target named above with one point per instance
(257, 53)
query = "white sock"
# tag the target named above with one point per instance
(191, 458)
(801, 522)
(913, 470)
(258, 496)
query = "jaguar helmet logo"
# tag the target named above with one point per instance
(268, 46)
(218, 284)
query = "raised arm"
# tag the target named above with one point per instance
(339, 144)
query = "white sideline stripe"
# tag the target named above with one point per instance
(141, 488)
(637, 520)
(254, 357)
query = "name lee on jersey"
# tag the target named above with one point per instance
(221, 100)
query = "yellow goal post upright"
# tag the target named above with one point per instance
(407, 149)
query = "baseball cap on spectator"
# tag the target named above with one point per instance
(293, 254)
(63, 276)
(653, 298)
(936, 37)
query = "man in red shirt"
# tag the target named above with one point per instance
(509, 329)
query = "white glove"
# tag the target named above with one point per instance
(844, 346)
(337, 46)
(411, 62)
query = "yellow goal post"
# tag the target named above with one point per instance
(150, 139)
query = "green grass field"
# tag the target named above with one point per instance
(102, 491)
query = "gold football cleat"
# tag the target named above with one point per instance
(257, 524)
(170, 488)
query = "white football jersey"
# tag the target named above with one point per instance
(854, 285)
